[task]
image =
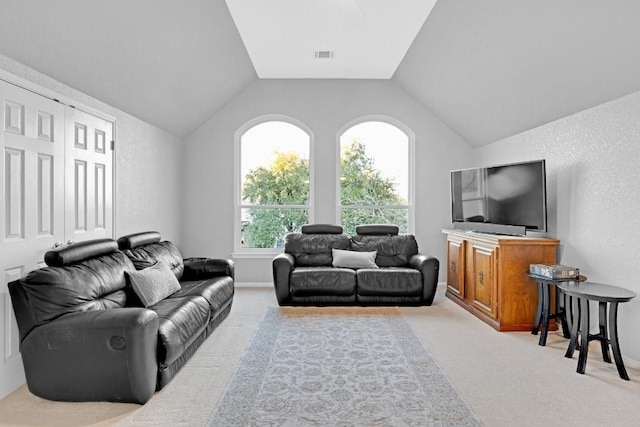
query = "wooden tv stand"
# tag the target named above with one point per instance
(487, 275)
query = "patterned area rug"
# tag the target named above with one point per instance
(340, 366)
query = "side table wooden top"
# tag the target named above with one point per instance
(548, 281)
(597, 291)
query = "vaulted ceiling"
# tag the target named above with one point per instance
(488, 69)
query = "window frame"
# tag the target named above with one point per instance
(240, 251)
(410, 206)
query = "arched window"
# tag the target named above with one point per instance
(273, 183)
(376, 176)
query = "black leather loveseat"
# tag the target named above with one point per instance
(377, 266)
(94, 328)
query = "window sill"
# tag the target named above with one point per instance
(256, 255)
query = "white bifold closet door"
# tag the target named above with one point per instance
(56, 178)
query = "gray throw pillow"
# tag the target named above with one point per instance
(353, 259)
(153, 284)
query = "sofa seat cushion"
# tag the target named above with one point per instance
(181, 321)
(218, 291)
(322, 281)
(389, 281)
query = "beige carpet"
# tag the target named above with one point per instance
(506, 378)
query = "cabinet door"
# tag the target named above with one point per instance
(484, 285)
(455, 267)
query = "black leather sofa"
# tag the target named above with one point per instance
(307, 272)
(85, 334)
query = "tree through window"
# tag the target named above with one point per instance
(375, 176)
(274, 183)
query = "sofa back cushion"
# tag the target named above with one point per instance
(314, 250)
(134, 240)
(321, 229)
(392, 250)
(93, 281)
(165, 252)
(377, 229)
(68, 255)
(145, 249)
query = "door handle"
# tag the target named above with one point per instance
(58, 244)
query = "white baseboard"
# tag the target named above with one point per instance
(630, 363)
(254, 285)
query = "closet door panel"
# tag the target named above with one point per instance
(90, 168)
(32, 214)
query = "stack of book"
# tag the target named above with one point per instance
(553, 271)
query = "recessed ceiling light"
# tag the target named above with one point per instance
(324, 54)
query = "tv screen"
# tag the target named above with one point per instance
(508, 199)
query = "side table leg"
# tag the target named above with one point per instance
(615, 345)
(575, 314)
(569, 312)
(584, 335)
(604, 341)
(546, 307)
(536, 324)
(563, 312)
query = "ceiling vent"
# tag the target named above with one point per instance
(324, 54)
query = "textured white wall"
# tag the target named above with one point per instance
(147, 187)
(324, 106)
(594, 190)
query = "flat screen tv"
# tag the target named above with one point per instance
(504, 199)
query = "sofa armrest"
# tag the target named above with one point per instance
(100, 355)
(429, 267)
(205, 268)
(283, 265)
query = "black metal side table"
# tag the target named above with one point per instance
(608, 333)
(543, 313)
